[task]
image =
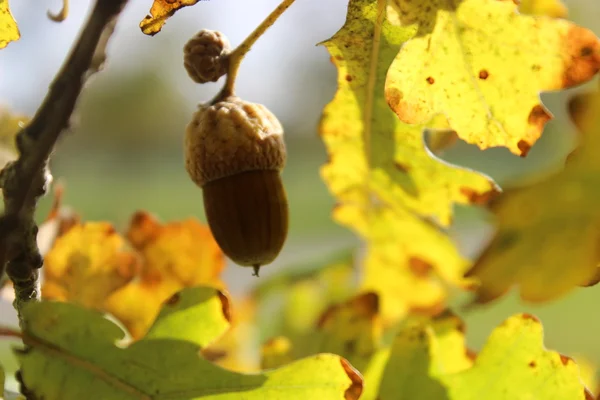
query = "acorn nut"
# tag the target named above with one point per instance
(205, 56)
(234, 150)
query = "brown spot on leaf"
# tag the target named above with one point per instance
(532, 364)
(356, 387)
(226, 306)
(479, 198)
(173, 300)
(213, 354)
(367, 302)
(393, 97)
(530, 317)
(431, 311)
(538, 116)
(471, 354)
(588, 395)
(565, 359)
(430, 80)
(401, 167)
(483, 74)
(593, 280)
(349, 346)
(348, 78)
(524, 147)
(536, 67)
(143, 229)
(326, 315)
(582, 59)
(419, 267)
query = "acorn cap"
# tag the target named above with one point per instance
(230, 137)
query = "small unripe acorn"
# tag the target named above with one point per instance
(234, 150)
(205, 56)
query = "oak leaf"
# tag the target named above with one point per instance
(160, 11)
(483, 65)
(9, 31)
(89, 265)
(78, 346)
(389, 188)
(548, 233)
(429, 361)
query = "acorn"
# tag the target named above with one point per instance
(234, 150)
(205, 56)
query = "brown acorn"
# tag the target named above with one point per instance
(205, 56)
(234, 150)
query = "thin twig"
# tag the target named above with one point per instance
(237, 55)
(25, 180)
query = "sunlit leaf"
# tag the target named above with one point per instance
(183, 251)
(430, 362)
(160, 11)
(483, 65)
(386, 183)
(198, 315)
(87, 264)
(548, 233)
(78, 347)
(551, 8)
(514, 365)
(9, 32)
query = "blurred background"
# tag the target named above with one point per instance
(125, 151)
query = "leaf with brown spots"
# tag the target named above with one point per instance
(389, 188)
(9, 31)
(548, 233)
(482, 65)
(430, 361)
(160, 11)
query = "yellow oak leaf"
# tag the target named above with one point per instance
(547, 233)
(429, 361)
(86, 264)
(388, 186)
(137, 304)
(160, 11)
(483, 65)
(184, 251)
(551, 8)
(9, 31)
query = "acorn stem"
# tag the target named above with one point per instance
(256, 268)
(236, 56)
